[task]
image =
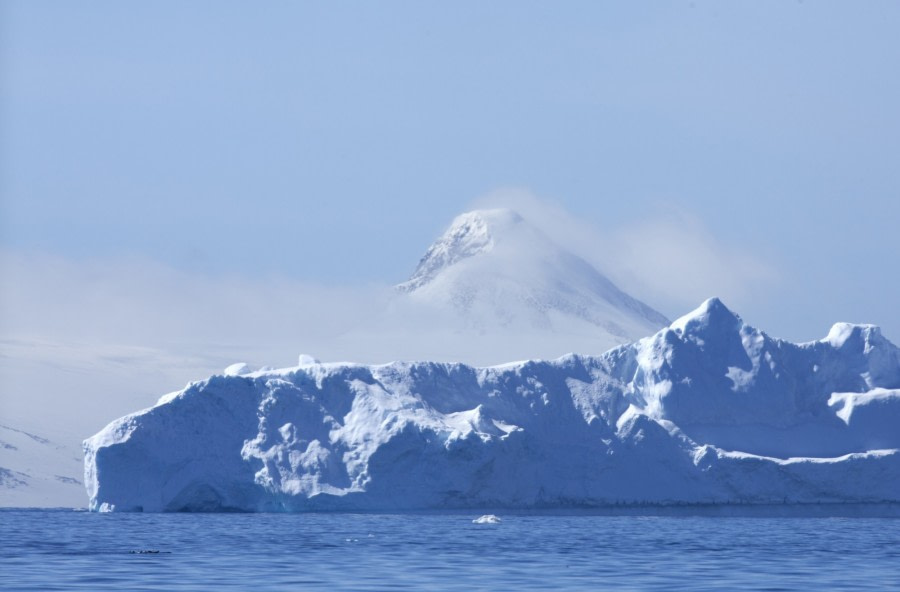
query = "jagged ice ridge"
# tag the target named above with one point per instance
(707, 411)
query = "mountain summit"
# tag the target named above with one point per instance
(495, 270)
(470, 234)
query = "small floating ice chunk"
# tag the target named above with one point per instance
(487, 519)
(238, 369)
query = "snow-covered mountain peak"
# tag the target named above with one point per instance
(495, 272)
(493, 219)
(470, 234)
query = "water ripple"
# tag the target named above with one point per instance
(80, 551)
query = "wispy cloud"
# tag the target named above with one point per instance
(678, 261)
(84, 341)
(138, 301)
(672, 260)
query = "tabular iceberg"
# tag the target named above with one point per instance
(707, 411)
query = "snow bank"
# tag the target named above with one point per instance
(707, 410)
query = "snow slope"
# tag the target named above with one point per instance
(708, 410)
(37, 471)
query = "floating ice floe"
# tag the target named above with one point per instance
(487, 519)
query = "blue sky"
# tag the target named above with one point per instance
(330, 142)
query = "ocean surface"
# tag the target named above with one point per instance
(70, 550)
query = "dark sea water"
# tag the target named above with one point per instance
(68, 550)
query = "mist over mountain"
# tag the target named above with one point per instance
(494, 288)
(495, 269)
(491, 289)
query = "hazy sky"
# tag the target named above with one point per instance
(749, 150)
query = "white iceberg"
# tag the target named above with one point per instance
(487, 519)
(707, 411)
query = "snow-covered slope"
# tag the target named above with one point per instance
(708, 410)
(35, 471)
(496, 271)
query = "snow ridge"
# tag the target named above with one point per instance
(706, 410)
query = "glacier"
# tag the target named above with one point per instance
(708, 410)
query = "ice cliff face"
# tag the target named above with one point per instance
(492, 268)
(708, 410)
